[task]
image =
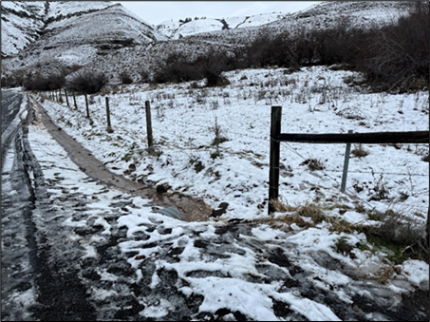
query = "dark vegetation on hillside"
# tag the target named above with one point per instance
(392, 58)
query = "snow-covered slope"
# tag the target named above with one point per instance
(61, 25)
(359, 13)
(328, 14)
(176, 30)
(107, 36)
(20, 24)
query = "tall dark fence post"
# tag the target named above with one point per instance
(109, 128)
(149, 126)
(86, 104)
(428, 229)
(67, 98)
(345, 165)
(74, 100)
(275, 149)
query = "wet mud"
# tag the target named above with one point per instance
(191, 209)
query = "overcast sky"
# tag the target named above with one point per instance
(156, 12)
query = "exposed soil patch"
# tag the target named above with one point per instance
(191, 209)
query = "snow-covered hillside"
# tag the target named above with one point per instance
(57, 26)
(176, 30)
(20, 25)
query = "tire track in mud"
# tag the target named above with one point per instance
(61, 296)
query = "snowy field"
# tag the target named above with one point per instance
(185, 119)
(314, 100)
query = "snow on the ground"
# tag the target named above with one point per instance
(314, 100)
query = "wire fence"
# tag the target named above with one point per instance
(189, 149)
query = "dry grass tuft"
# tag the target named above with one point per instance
(297, 213)
(288, 220)
(342, 226)
(313, 164)
(313, 211)
(281, 205)
(359, 152)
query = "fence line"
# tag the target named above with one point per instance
(375, 137)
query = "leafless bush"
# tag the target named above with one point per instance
(47, 83)
(210, 66)
(402, 230)
(379, 190)
(13, 79)
(88, 81)
(144, 75)
(219, 138)
(359, 152)
(125, 78)
(176, 68)
(397, 56)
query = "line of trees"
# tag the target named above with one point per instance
(87, 81)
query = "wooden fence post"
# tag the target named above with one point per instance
(345, 165)
(67, 98)
(149, 126)
(109, 128)
(86, 104)
(275, 149)
(428, 229)
(74, 100)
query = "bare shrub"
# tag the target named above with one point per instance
(14, 79)
(176, 68)
(210, 66)
(144, 75)
(88, 81)
(359, 152)
(270, 50)
(219, 138)
(379, 190)
(401, 231)
(47, 83)
(125, 78)
(395, 56)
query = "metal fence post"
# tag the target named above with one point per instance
(345, 165)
